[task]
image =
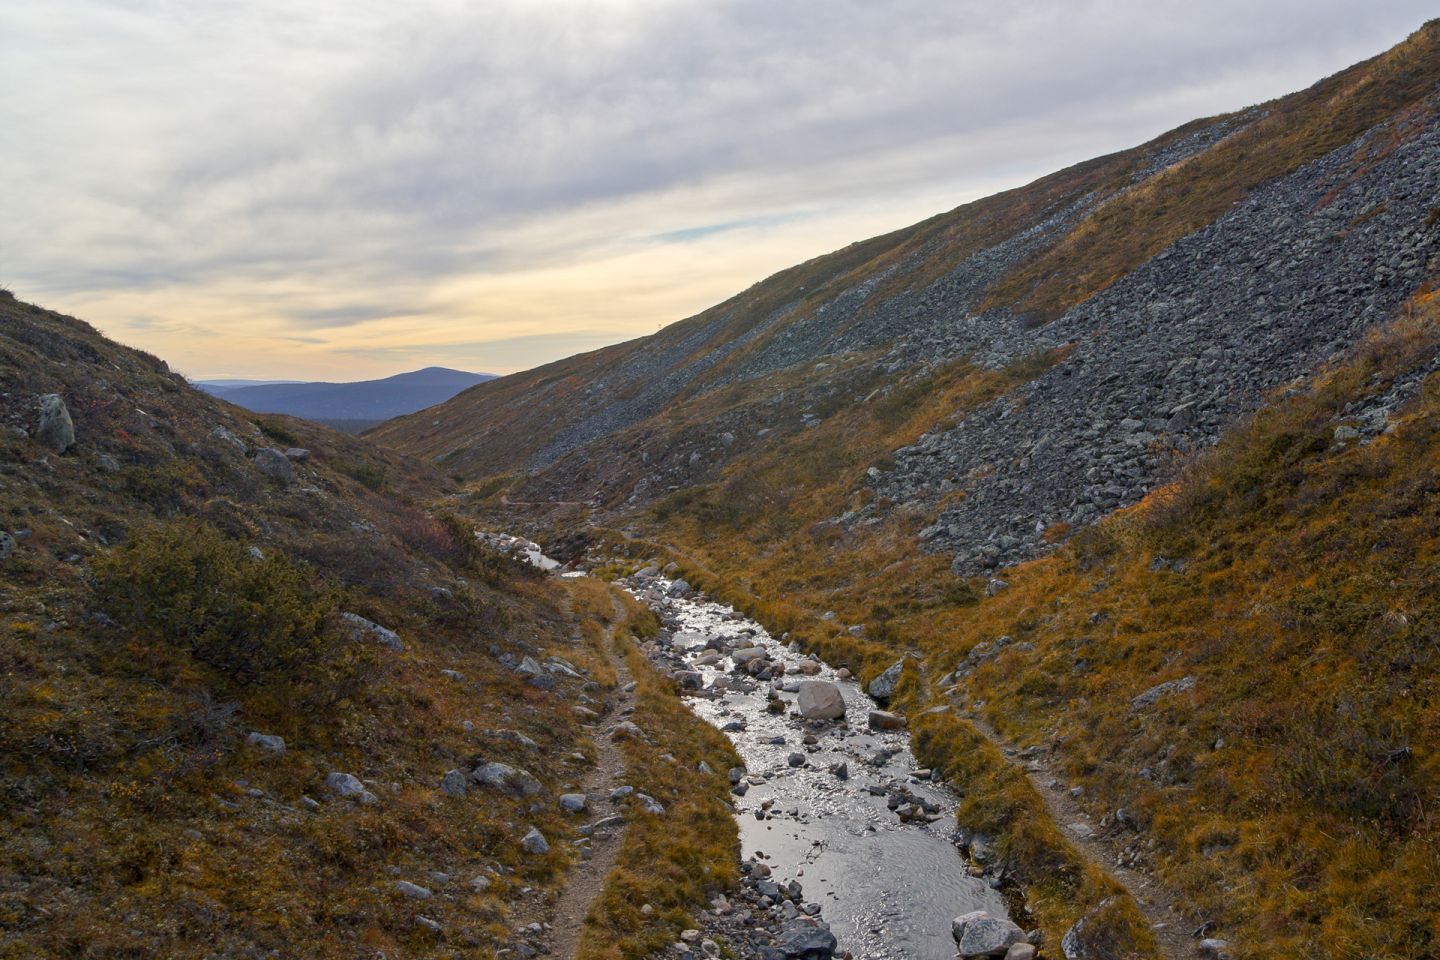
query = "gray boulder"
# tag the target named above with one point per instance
(882, 688)
(573, 802)
(820, 700)
(267, 742)
(506, 779)
(679, 589)
(56, 430)
(346, 785)
(977, 934)
(228, 438)
(534, 843)
(362, 629)
(274, 465)
(413, 890)
(1151, 696)
(452, 784)
(807, 941)
(297, 454)
(7, 545)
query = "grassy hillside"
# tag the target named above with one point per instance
(1073, 234)
(163, 598)
(1284, 793)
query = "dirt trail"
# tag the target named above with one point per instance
(588, 877)
(1172, 931)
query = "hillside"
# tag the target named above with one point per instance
(352, 406)
(260, 701)
(1132, 464)
(1239, 253)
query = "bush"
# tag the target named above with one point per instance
(188, 586)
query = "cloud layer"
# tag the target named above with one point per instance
(356, 187)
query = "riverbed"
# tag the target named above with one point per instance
(887, 888)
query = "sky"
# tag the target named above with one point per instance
(344, 189)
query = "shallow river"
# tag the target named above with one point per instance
(888, 889)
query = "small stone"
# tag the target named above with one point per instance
(413, 890)
(573, 802)
(425, 923)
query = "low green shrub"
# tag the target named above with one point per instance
(185, 584)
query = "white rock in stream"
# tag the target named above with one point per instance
(820, 700)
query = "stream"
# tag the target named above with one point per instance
(887, 888)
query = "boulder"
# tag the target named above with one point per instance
(534, 843)
(747, 654)
(297, 454)
(807, 667)
(56, 430)
(413, 890)
(885, 720)
(7, 545)
(274, 465)
(678, 590)
(820, 700)
(267, 742)
(452, 784)
(362, 629)
(806, 940)
(228, 438)
(506, 779)
(977, 934)
(1151, 696)
(573, 802)
(882, 688)
(347, 785)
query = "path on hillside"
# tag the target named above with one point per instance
(1171, 929)
(587, 880)
(1157, 905)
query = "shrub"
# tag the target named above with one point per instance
(188, 586)
(369, 474)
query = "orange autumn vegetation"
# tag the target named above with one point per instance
(1288, 799)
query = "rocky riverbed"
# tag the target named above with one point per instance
(840, 830)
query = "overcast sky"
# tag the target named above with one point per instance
(339, 189)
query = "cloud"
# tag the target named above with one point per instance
(319, 190)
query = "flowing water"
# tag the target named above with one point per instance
(887, 889)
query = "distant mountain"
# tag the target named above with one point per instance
(349, 406)
(218, 388)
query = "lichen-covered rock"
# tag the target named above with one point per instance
(362, 629)
(977, 934)
(56, 430)
(506, 779)
(274, 465)
(882, 688)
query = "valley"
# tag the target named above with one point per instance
(1057, 577)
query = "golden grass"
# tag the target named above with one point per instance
(1288, 797)
(676, 861)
